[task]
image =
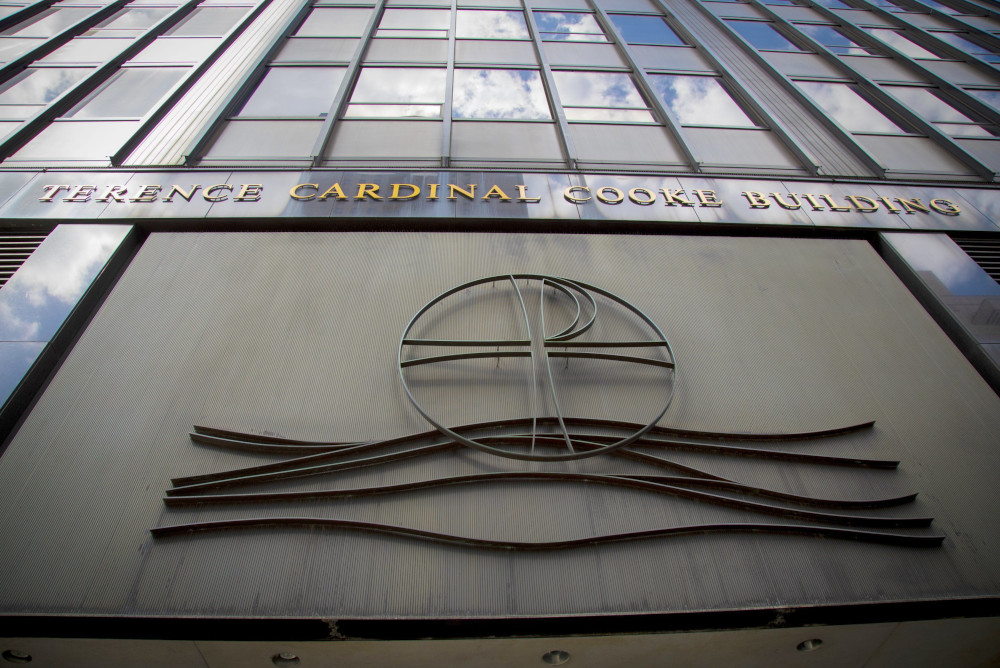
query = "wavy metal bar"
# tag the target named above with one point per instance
(465, 356)
(267, 438)
(605, 344)
(625, 482)
(612, 357)
(457, 343)
(883, 537)
(273, 448)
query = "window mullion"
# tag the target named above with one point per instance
(548, 82)
(659, 111)
(340, 99)
(25, 12)
(449, 89)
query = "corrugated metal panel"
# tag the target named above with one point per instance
(165, 145)
(985, 250)
(15, 247)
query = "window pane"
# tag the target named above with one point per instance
(646, 30)
(414, 23)
(968, 46)
(569, 27)
(12, 49)
(966, 130)
(900, 43)
(762, 35)
(88, 50)
(499, 94)
(132, 19)
(334, 22)
(833, 4)
(848, 108)
(398, 92)
(40, 85)
(473, 24)
(832, 39)
(295, 91)
(990, 97)
(927, 104)
(942, 8)
(132, 93)
(699, 101)
(601, 96)
(889, 6)
(208, 22)
(48, 23)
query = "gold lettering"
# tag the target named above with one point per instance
(147, 194)
(367, 190)
(249, 192)
(948, 207)
(888, 205)
(812, 201)
(470, 193)
(618, 197)
(496, 192)
(217, 198)
(785, 205)
(568, 194)
(50, 192)
(414, 191)
(433, 194)
(634, 196)
(175, 190)
(872, 204)
(675, 197)
(707, 198)
(117, 193)
(912, 205)
(833, 207)
(522, 195)
(335, 189)
(757, 200)
(80, 194)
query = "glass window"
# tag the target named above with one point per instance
(208, 22)
(130, 93)
(696, 100)
(900, 42)
(833, 39)
(487, 24)
(848, 108)
(762, 35)
(14, 48)
(889, 6)
(499, 94)
(569, 27)
(88, 50)
(959, 41)
(305, 92)
(947, 118)
(942, 7)
(131, 22)
(414, 23)
(833, 4)
(394, 92)
(48, 23)
(601, 96)
(28, 91)
(988, 95)
(335, 22)
(646, 30)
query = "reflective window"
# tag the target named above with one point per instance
(88, 50)
(833, 4)
(334, 22)
(988, 95)
(900, 42)
(414, 23)
(487, 24)
(942, 7)
(569, 27)
(392, 92)
(48, 23)
(762, 35)
(646, 30)
(848, 108)
(932, 108)
(208, 22)
(958, 40)
(889, 6)
(499, 94)
(295, 91)
(696, 100)
(130, 93)
(833, 39)
(129, 22)
(27, 92)
(14, 48)
(601, 96)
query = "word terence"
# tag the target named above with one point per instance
(220, 192)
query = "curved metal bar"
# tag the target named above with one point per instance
(610, 356)
(265, 438)
(552, 382)
(469, 343)
(466, 356)
(565, 291)
(571, 331)
(534, 365)
(604, 344)
(625, 482)
(906, 540)
(272, 448)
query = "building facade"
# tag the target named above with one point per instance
(537, 331)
